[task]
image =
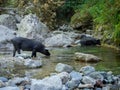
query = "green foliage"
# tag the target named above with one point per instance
(104, 13)
(116, 34)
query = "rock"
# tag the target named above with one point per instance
(72, 84)
(50, 83)
(23, 56)
(32, 28)
(9, 88)
(33, 63)
(63, 68)
(88, 80)
(4, 63)
(65, 87)
(65, 28)
(76, 75)
(2, 84)
(6, 35)
(58, 40)
(86, 86)
(86, 57)
(106, 88)
(3, 79)
(8, 21)
(64, 76)
(87, 70)
(96, 76)
(61, 39)
(17, 81)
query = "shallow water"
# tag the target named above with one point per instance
(110, 60)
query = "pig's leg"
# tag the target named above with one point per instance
(33, 53)
(18, 50)
(14, 51)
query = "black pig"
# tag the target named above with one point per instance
(89, 40)
(25, 44)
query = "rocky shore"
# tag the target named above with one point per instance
(65, 78)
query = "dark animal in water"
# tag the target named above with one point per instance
(25, 44)
(89, 40)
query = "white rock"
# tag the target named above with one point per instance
(85, 86)
(58, 40)
(64, 76)
(8, 21)
(6, 35)
(33, 63)
(32, 28)
(50, 83)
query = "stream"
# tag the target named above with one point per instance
(110, 60)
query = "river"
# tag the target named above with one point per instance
(110, 60)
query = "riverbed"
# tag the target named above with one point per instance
(110, 60)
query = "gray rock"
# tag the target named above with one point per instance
(88, 80)
(63, 68)
(65, 87)
(22, 56)
(50, 83)
(8, 21)
(3, 79)
(72, 84)
(96, 76)
(65, 28)
(86, 57)
(6, 63)
(33, 63)
(6, 35)
(2, 84)
(64, 76)
(17, 80)
(76, 75)
(98, 89)
(9, 88)
(32, 28)
(106, 88)
(58, 40)
(87, 70)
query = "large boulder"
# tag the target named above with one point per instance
(31, 27)
(6, 35)
(60, 39)
(8, 21)
(86, 57)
